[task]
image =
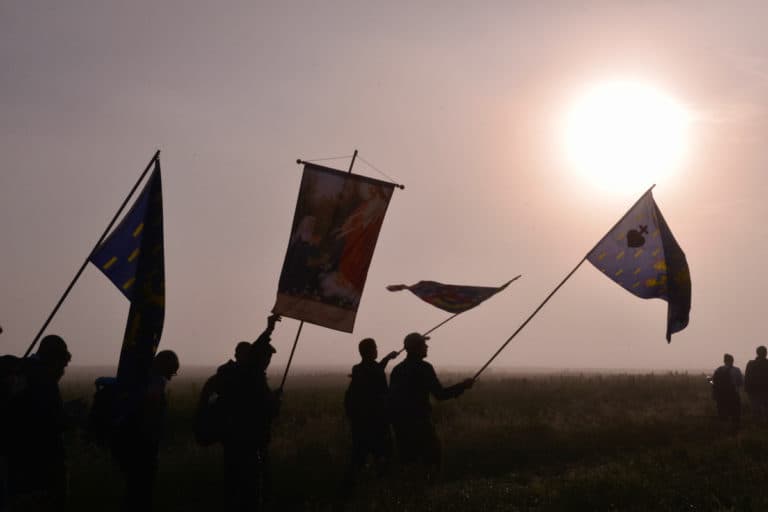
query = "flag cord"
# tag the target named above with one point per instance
(558, 287)
(354, 156)
(290, 358)
(369, 164)
(154, 159)
(344, 157)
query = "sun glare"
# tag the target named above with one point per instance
(626, 134)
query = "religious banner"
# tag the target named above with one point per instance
(642, 256)
(336, 225)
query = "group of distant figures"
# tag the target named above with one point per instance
(727, 381)
(236, 408)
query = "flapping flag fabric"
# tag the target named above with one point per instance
(450, 297)
(642, 256)
(335, 228)
(132, 257)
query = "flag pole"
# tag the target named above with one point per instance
(154, 159)
(301, 324)
(557, 287)
(290, 358)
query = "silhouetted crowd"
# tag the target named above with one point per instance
(727, 382)
(236, 408)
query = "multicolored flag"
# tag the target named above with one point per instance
(132, 257)
(450, 297)
(643, 257)
(335, 228)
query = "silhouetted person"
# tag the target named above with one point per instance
(211, 417)
(10, 368)
(136, 440)
(36, 421)
(364, 404)
(726, 382)
(249, 406)
(756, 384)
(411, 383)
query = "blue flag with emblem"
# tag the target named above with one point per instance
(642, 256)
(132, 257)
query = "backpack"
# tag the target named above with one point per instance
(11, 377)
(722, 384)
(209, 417)
(12, 383)
(104, 414)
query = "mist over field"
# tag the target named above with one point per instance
(532, 441)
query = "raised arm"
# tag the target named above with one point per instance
(265, 336)
(387, 358)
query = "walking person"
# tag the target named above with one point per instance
(365, 407)
(136, 440)
(35, 425)
(411, 383)
(726, 383)
(249, 406)
(756, 385)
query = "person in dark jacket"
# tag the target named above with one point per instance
(249, 406)
(36, 422)
(756, 384)
(726, 383)
(365, 406)
(411, 383)
(136, 441)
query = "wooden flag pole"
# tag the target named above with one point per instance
(154, 159)
(354, 155)
(290, 358)
(556, 288)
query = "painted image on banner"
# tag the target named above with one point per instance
(335, 228)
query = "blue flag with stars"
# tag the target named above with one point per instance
(132, 257)
(642, 256)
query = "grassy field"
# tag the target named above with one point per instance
(535, 442)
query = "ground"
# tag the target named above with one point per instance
(544, 442)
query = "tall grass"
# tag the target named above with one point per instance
(546, 442)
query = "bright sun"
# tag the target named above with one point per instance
(626, 134)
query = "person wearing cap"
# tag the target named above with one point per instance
(249, 406)
(411, 383)
(36, 422)
(364, 404)
(136, 443)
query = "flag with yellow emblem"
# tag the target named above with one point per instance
(132, 257)
(642, 256)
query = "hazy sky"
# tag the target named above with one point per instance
(460, 101)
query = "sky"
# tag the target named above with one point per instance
(462, 102)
